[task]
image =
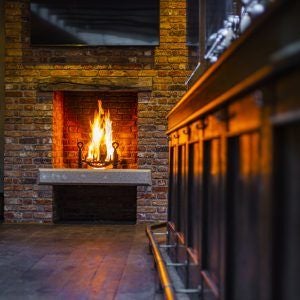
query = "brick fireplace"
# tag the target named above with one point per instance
(43, 82)
(72, 111)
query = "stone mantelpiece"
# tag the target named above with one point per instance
(120, 177)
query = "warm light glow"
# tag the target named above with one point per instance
(100, 147)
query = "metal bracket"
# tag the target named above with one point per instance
(202, 124)
(188, 291)
(171, 264)
(167, 246)
(160, 233)
(187, 131)
(176, 135)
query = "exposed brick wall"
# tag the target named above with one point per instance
(58, 128)
(29, 109)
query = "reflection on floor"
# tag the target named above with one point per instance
(76, 262)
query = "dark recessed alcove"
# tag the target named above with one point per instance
(99, 204)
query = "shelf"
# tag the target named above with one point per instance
(126, 177)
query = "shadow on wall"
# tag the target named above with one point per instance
(1, 106)
(1, 207)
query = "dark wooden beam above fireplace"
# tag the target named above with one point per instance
(139, 84)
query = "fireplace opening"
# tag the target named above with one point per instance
(96, 204)
(73, 113)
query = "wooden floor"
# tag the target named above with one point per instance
(76, 262)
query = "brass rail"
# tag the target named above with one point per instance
(160, 264)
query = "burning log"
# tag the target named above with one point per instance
(102, 151)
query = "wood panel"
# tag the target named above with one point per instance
(212, 210)
(243, 217)
(172, 208)
(182, 191)
(194, 197)
(286, 260)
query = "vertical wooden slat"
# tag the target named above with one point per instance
(211, 211)
(286, 188)
(243, 217)
(194, 194)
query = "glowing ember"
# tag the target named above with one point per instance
(100, 146)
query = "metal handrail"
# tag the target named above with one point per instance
(165, 280)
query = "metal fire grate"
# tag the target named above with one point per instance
(98, 164)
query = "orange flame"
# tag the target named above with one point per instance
(100, 146)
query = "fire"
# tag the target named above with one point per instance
(100, 147)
